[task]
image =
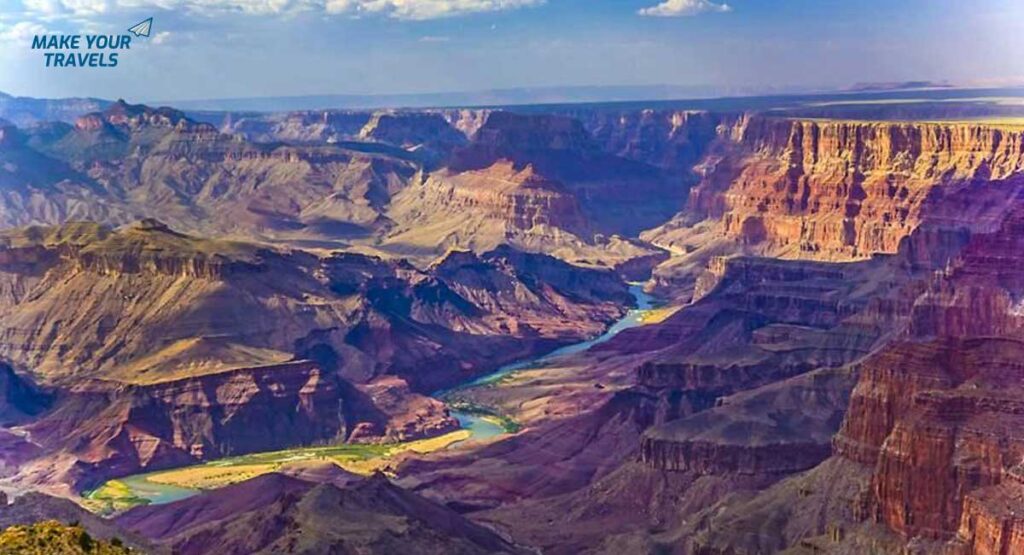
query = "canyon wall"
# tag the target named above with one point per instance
(937, 413)
(840, 190)
(114, 432)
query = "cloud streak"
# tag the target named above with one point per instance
(683, 8)
(396, 9)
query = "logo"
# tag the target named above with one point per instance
(79, 51)
(141, 29)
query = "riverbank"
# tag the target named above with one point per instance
(478, 423)
(166, 486)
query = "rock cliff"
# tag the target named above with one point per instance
(115, 432)
(936, 413)
(175, 348)
(841, 190)
(617, 194)
(776, 430)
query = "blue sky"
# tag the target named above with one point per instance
(245, 48)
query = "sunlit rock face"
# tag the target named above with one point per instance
(162, 348)
(937, 413)
(843, 190)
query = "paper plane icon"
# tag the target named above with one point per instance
(141, 29)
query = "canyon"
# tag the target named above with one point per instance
(162, 359)
(832, 365)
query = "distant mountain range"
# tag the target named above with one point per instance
(492, 97)
(912, 96)
(23, 110)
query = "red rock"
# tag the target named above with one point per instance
(992, 522)
(840, 189)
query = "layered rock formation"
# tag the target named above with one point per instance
(674, 140)
(482, 209)
(174, 349)
(900, 268)
(174, 422)
(35, 188)
(539, 182)
(929, 450)
(840, 190)
(779, 429)
(712, 400)
(758, 321)
(560, 148)
(312, 127)
(426, 134)
(937, 418)
(138, 161)
(25, 110)
(990, 522)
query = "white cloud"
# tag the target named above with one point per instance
(21, 32)
(161, 37)
(398, 9)
(426, 9)
(680, 8)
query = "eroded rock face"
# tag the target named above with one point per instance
(126, 116)
(136, 427)
(776, 430)
(674, 140)
(937, 414)
(313, 127)
(841, 190)
(426, 132)
(512, 200)
(763, 320)
(991, 521)
(936, 422)
(133, 161)
(540, 183)
(175, 349)
(617, 194)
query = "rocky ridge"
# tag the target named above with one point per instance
(163, 352)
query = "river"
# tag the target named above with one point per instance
(480, 425)
(484, 427)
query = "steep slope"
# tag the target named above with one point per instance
(53, 537)
(38, 189)
(628, 509)
(313, 127)
(584, 415)
(926, 458)
(19, 399)
(165, 349)
(158, 162)
(427, 135)
(63, 519)
(400, 182)
(539, 183)
(618, 195)
(943, 403)
(730, 386)
(836, 190)
(275, 514)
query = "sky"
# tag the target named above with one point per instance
(202, 49)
